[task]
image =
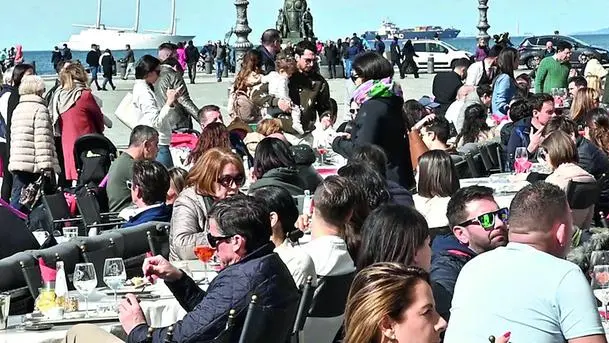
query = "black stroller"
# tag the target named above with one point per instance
(93, 154)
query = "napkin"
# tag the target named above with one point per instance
(522, 167)
(48, 274)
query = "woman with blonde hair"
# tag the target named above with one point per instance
(585, 100)
(391, 302)
(32, 145)
(75, 113)
(215, 176)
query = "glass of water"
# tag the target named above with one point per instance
(114, 275)
(85, 282)
(70, 232)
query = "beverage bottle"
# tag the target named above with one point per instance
(61, 285)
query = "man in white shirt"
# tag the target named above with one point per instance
(483, 72)
(527, 288)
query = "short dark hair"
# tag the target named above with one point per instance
(372, 154)
(520, 109)
(456, 210)
(495, 50)
(537, 207)
(142, 133)
(334, 199)
(270, 36)
(562, 45)
(168, 46)
(272, 153)
(303, 45)
(371, 182)
(483, 90)
(145, 65)
(208, 108)
(377, 37)
(128, 46)
(392, 233)
(437, 175)
(440, 127)
(245, 216)
(371, 65)
(561, 123)
(152, 179)
(461, 63)
(18, 73)
(178, 176)
(64, 45)
(413, 111)
(536, 101)
(278, 199)
(579, 81)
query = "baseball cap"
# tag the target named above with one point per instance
(427, 102)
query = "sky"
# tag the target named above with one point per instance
(41, 24)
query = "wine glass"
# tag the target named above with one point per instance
(600, 285)
(85, 282)
(204, 254)
(521, 156)
(114, 275)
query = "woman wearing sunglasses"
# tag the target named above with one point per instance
(560, 152)
(215, 176)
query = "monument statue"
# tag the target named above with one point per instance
(281, 24)
(293, 19)
(307, 24)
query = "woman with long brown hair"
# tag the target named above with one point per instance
(585, 100)
(597, 129)
(214, 135)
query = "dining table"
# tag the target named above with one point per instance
(504, 185)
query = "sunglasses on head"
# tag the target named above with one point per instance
(227, 180)
(487, 220)
(213, 240)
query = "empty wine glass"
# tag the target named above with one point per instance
(114, 275)
(600, 285)
(85, 282)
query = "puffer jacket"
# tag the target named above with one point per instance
(32, 143)
(261, 273)
(184, 108)
(188, 224)
(287, 178)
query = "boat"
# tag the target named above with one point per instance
(389, 30)
(117, 38)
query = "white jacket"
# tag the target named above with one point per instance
(4, 110)
(151, 111)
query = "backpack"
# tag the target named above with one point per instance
(241, 106)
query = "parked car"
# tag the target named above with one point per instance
(535, 45)
(443, 53)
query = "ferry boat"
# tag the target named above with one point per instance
(389, 30)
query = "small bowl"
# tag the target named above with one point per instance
(55, 313)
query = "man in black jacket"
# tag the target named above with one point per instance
(55, 57)
(446, 85)
(379, 45)
(478, 225)
(396, 56)
(270, 46)
(240, 230)
(192, 57)
(93, 62)
(130, 60)
(331, 52)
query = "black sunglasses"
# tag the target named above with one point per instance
(213, 240)
(487, 220)
(227, 180)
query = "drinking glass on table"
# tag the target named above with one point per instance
(600, 286)
(70, 232)
(204, 254)
(114, 275)
(521, 156)
(85, 282)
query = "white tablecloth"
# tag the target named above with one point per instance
(503, 184)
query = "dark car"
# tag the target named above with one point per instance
(535, 46)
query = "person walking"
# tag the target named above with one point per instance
(351, 53)
(192, 58)
(409, 64)
(55, 57)
(66, 53)
(220, 57)
(331, 52)
(130, 60)
(93, 58)
(396, 56)
(107, 63)
(344, 55)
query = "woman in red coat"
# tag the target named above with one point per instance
(75, 113)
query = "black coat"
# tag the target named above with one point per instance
(444, 88)
(331, 53)
(93, 58)
(268, 60)
(286, 178)
(192, 54)
(107, 63)
(379, 121)
(261, 273)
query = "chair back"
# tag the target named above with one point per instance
(265, 324)
(226, 335)
(461, 166)
(493, 151)
(158, 239)
(582, 195)
(304, 305)
(15, 234)
(331, 296)
(56, 205)
(475, 165)
(88, 207)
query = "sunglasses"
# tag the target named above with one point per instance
(487, 220)
(213, 240)
(227, 180)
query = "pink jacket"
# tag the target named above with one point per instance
(182, 57)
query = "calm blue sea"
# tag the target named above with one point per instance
(44, 66)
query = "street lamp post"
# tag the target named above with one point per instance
(242, 30)
(483, 25)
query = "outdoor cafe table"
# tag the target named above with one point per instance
(158, 312)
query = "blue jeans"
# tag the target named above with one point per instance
(164, 156)
(20, 181)
(94, 71)
(348, 64)
(219, 69)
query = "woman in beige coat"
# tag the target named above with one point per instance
(561, 154)
(32, 141)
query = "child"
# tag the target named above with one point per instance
(277, 81)
(324, 132)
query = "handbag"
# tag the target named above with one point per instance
(125, 112)
(31, 193)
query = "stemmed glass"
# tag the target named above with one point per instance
(114, 275)
(600, 286)
(204, 254)
(521, 156)
(85, 282)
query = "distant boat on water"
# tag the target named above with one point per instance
(389, 30)
(117, 38)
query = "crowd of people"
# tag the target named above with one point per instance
(412, 250)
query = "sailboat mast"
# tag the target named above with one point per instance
(173, 17)
(136, 28)
(99, 8)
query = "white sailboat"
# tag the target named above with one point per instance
(117, 38)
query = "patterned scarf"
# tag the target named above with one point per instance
(384, 88)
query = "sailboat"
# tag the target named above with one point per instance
(117, 38)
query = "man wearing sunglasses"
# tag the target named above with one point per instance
(527, 287)
(478, 225)
(240, 231)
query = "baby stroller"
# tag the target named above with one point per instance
(183, 141)
(93, 154)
